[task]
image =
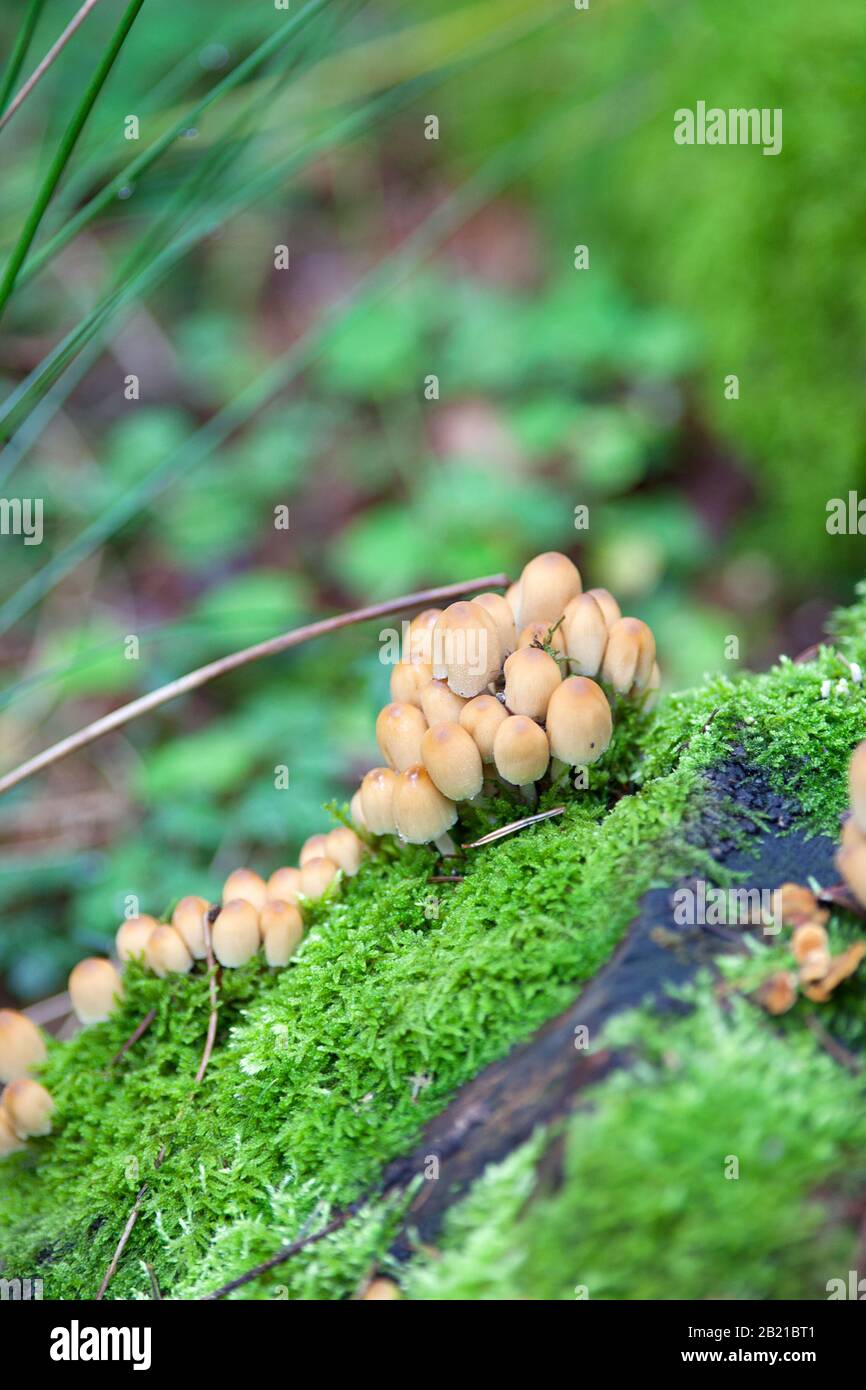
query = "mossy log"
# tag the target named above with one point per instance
(697, 1147)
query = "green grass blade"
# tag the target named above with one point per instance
(19, 52)
(64, 152)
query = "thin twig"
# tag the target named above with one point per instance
(514, 826)
(53, 53)
(154, 1282)
(134, 1037)
(445, 878)
(281, 1256)
(839, 1053)
(127, 1230)
(194, 679)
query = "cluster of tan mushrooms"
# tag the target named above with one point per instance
(493, 688)
(501, 688)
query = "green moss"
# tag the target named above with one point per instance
(646, 1209)
(401, 992)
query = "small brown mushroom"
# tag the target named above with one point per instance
(420, 638)
(531, 677)
(167, 952)
(439, 703)
(608, 605)
(466, 650)
(579, 722)
(22, 1046)
(317, 875)
(345, 849)
(512, 598)
(629, 655)
(585, 632)
(28, 1107)
(399, 730)
(778, 993)
(808, 938)
(312, 848)
(521, 753)
(377, 800)
(542, 634)
(503, 618)
(95, 988)
(408, 679)
(547, 585)
(857, 785)
(796, 905)
(381, 1291)
(132, 936)
(284, 885)
(188, 918)
(235, 933)
(282, 929)
(10, 1143)
(422, 813)
(453, 761)
(481, 718)
(245, 883)
(841, 967)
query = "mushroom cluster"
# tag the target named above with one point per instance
(25, 1105)
(501, 689)
(253, 914)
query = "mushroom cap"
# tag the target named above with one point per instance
(512, 598)
(312, 848)
(466, 648)
(188, 918)
(579, 722)
(857, 785)
(28, 1107)
(608, 605)
(22, 1046)
(542, 634)
(381, 1291)
(235, 933)
(167, 952)
(453, 761)
(345, 849)
(408, 679)
(585, 632)
(629, 655)
(282, 929)
(503, 619)
(399, 730)
(811, 936)
(356, 811)
(531, 677)
(440, 704)
(95, 987)
(377, 798)
(851, 863)
(421, 811)
(547, 584)
(132, 936)
(481, 718)
(284, 885)
(317, 875)
(10, 1142)
(420, 640)
(520, 750)
(247, 884)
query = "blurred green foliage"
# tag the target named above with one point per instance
(556, 389)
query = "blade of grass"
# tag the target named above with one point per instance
(64, 152)
(19, 50)
(130, 172)
(51, 57)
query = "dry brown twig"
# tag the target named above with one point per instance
(50, 57)
(514, 826)
(271, 647)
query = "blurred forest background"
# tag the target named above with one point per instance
(305, 387)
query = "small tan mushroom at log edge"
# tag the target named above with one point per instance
(167, 953)
(282, 929)
(28, 1107)
(579, 722)
(247, 884)
(453, 761)
(481, 718)
(629, 655)
(399, 730)
(22, 1046)
(188, 918)
(422, 813)
(531, 677)
(547, 584)
(235, 933)
(132, 936)
(521, 752)
(95, 989)
(466, 649)
(377, 800)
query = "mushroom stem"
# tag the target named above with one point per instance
(529, 793)
(558, 770)
(446, 845)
